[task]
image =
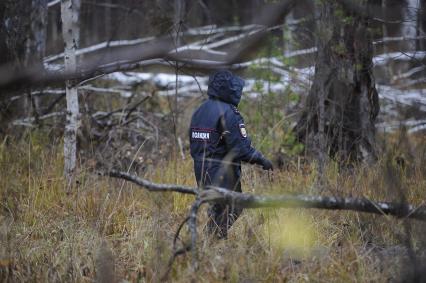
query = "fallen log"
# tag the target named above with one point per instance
(216, 194)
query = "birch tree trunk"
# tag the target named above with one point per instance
(409, 24)
(288, 33)
(70, 33)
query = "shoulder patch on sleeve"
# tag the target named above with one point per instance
(243, 130)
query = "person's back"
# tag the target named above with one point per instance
(219, 142)
(206, 130)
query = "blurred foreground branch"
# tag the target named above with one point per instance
(140, 53)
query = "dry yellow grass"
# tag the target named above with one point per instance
(107, 228)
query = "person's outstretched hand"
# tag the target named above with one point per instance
(267, 165)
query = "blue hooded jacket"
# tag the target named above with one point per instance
(223, 85)
(218, 137)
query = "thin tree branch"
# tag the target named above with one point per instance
(150, 186)
(176, 252)
(192, 224)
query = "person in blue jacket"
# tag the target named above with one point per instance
(218, 143)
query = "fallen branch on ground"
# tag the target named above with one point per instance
(221, 195)
(216, 194)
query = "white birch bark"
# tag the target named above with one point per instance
(70, 33)
(288, 34)
(409, 25)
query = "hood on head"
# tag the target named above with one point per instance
(225, 86)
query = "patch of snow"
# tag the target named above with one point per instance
(383, 59)
(408, 73)
(53, 67)
(99, 46)
(129, 78)
(397, 38)
(412, 125)
(161, 80)
(418, 128)
(53, 3)
(212, 29)
(405, 97)
(294, 53)
(198, 48)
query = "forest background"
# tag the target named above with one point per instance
(334, 95)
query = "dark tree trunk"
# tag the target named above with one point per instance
(36, 48)
(36, 42)
(342, 105)
(421, 25)
(22, 43)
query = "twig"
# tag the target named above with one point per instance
(152, 186)
(176, 252)
(136, 105)
(52, 105)
(192, 223)
(182, 154)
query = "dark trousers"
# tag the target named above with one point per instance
(227, 176)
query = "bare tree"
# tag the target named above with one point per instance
(70, 32)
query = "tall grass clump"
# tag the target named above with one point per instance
(104, 227)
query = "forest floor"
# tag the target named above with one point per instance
(105, 228)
